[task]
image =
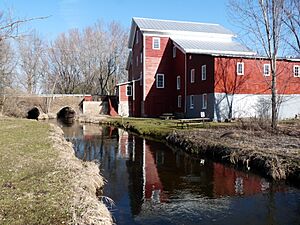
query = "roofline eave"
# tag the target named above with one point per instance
(191, 33)
(131, 34)
(218, 53)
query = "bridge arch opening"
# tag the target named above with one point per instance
(33, 113)
(66, 114)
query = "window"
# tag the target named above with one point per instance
(178, 82)
(160, 80)
(128, 90)
(179, 101)
(266, 69)
(240, 68)
(156, 43)
(192, 75)
(204, 101)
(203, 72)
(141, 57)
(191, 101)
(296, 71)
(174, 52)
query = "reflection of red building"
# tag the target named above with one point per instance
(211, 179)
(123, 143)
(230, 182)
(153, 184)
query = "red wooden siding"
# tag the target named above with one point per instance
(200, 86)
(179, 70)
(122, 93)
(159, 61)
(137, 66)
(134, 74)
(221, 77)
(253, 81)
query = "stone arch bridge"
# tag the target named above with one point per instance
(31, 105)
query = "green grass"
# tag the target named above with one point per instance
(157, 128)
(146, 126)
(32, 189)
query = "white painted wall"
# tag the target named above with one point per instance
(123, 109)
(94, 108)
(247, 105)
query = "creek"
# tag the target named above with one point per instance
(151, 183)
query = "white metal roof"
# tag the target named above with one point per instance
(192, 37)
(211, 47)
(169, 25)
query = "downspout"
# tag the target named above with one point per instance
(144, 75)
(185, 91)
(133, 91)
(119, 93)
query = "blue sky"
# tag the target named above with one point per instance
(67, 14)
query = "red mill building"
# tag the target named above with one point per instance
(190, 69)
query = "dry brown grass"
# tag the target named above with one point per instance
(276, 155)
(84, 182)
(41, 180)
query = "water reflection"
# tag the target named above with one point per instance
(152, 184)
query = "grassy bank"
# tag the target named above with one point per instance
(39, 177)
(246, 144)
(152, 127)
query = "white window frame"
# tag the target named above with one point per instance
(179, 100)
(203, 72)
(192, 102)
(204, 101)
(264, 70)
(296, 71)
(174, 51)
(157, 80)
(128, 86)
(192, 76)
(154, 39)
(141, 57)
(178, 82)
(238, 72)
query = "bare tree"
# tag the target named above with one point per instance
(7, 70)
(88, 62)
(229, 83)
(263, 22)
(292, 22)
(108, 54)
(63, 56)
(9, 26)
(30, 62)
